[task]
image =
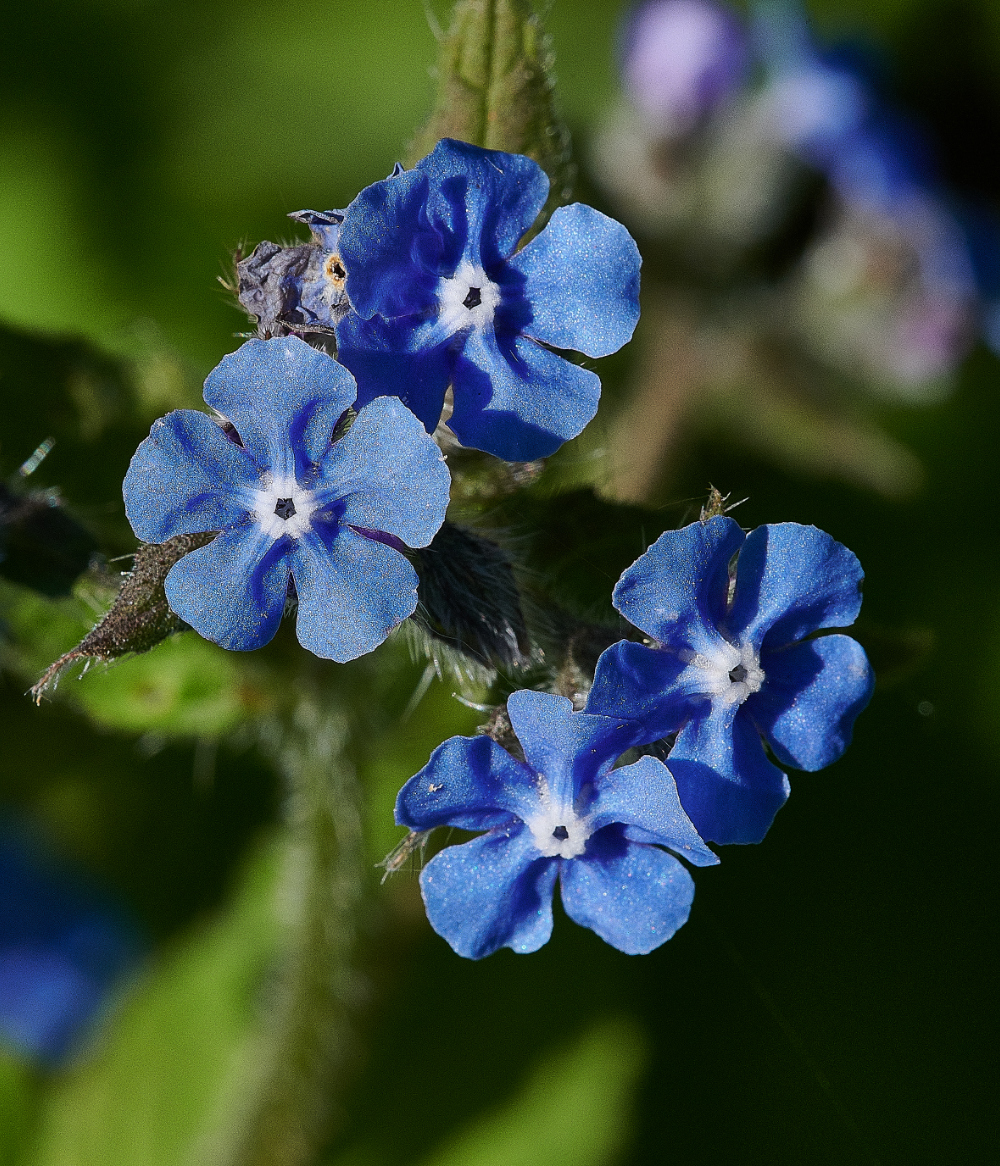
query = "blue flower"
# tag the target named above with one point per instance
(732, 663)
(564, 814)
(63, 948)
(289, 504)
(440, 297)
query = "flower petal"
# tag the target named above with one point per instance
(492, 892)
(727, 786)
(388, 474)
(389, 249)
(570, 749)
(519, 403)
(233, 590)
(485, 199)
(470, 783)
(643, 795)
(284, 399)
(186, 477)
(582, 276)
(390, 358)
(676, 591)
(790, 581)
(352, 592)
(810, 699)
(633, 896)
(640, 683)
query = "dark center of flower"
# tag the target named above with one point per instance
(738, 674)
(561, 833)
(335, 269)
(474, 298)
(284, 508)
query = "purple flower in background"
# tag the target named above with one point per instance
(290, 503)
(563, 815)
(682, 60)
(441, 297)
(732, 662)
(64, 946)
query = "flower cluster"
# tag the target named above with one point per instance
(732, 660)
(727, 129)
(316, 475)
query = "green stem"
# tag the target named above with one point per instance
(307, 1050)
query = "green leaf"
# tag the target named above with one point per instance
(573, 1111)
(178, 1056)
(495, 89)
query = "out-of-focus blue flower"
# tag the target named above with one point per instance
(441, 297)
(682, 60)
(63, 948)
(732, 663)
(563, 815)
(289, 503)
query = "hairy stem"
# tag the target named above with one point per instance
(295, 1108)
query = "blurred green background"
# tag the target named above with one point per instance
(829, 1000)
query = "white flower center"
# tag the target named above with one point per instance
(467, 300)
(558, 830)
(281, 506)
(730, 673)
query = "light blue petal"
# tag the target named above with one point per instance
(186, 477)
(391, 358)
(519, 403)
(727, 786)
(387, 474)
(233, 590)
(389, 249)
(492, 892)
(470, 783)
(643, 795)
(352, 592)
(640, 683)
(811, 696)
(485, 199)
(284, 399)
(582, 276)
(676, 592)
(792, 580)
(570, 749)
(634, 897)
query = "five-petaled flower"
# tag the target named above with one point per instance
(732, 663)
(290, 503)
(563, 814)
(441, 297)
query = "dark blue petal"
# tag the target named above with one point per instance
(388, 474)
(352, 592)
(568, 748)
(634, 897)
(233, 590)
(643, 795)
(582, 276)
(640, 683)
(790, 581)
(811, 695)
(284, 399)
(521, 403)
(388, 358)
(492, 892)
(186, 477)
(485, 199)
(727, 786)
(470, 783)
(391, 253)
(676, 592)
